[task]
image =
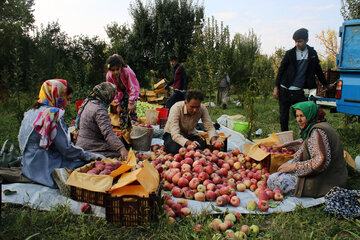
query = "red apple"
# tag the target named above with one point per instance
(177, 192)
(241, 187)
(235, 201)
(278, 196)
(262, 195)
(203, 176)
(210, 196)
(189, 194)
(221, 201)
(183, 182)
(85, 208)
(199, 196)
(194, 183)
(263, 205)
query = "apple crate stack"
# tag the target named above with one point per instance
(127, 210)
(131, 210)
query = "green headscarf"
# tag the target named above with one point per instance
(310, 111)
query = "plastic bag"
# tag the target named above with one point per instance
(222, 120)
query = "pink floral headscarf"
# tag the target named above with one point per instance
(53, 94)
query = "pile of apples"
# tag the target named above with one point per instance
(101, 168)
(175, 209)
(212, 176)
(276, 150)
(230, 219)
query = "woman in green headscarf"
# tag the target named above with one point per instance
(318, 163)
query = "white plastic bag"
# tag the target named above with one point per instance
(222, 120)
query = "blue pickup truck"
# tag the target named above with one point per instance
(347, 93)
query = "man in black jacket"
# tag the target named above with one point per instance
(180, 81)
(296, 72)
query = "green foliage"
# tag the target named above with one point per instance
(245, 49)
(210, 58)
(350, 9)
(160, 29)
(277, 57)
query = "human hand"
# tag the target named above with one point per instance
(276, 93)
(131, 108)
(96, 156)
(287, 167)
(124, 154)
(195, 144)
(213, 139)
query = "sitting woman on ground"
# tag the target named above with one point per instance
(318, 163)
(93, 125)
(44, 139)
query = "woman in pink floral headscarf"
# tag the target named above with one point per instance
(44, 139)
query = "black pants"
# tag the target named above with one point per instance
(286, 99)
(173, 147)
(177, 96)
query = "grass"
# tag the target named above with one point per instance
(22, 222)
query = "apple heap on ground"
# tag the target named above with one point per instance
(229, 222)
(210, 175)
(175, 209)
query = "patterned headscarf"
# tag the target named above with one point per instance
(53, 94)
(102, 94)
(312, 113)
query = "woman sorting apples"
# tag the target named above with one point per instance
(93, 125)
(43, 137)
(128, 89)
(318, 163)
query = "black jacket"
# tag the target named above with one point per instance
(287, 70)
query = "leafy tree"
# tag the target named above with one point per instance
(329, 40)
(350, 9)
(277, 57)
(16, 19)
(161, 28)
(245, 48)
(210, 58)
(263, 74)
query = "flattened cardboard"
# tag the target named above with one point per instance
(269, 141)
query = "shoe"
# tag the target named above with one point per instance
(60, 175)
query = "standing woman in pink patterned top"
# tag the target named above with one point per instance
(128, 89)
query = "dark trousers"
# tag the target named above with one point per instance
(175, 97)
(173, 147)
(286, 99)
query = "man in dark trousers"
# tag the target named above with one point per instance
(180, 82)
(296, 72)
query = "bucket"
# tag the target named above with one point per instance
(241, 126)
(163, 113)
(140, 138)
(151, 116)
(78, 105)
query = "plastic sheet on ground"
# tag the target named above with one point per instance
(44, 198)
(287, 205)
(40, 197)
